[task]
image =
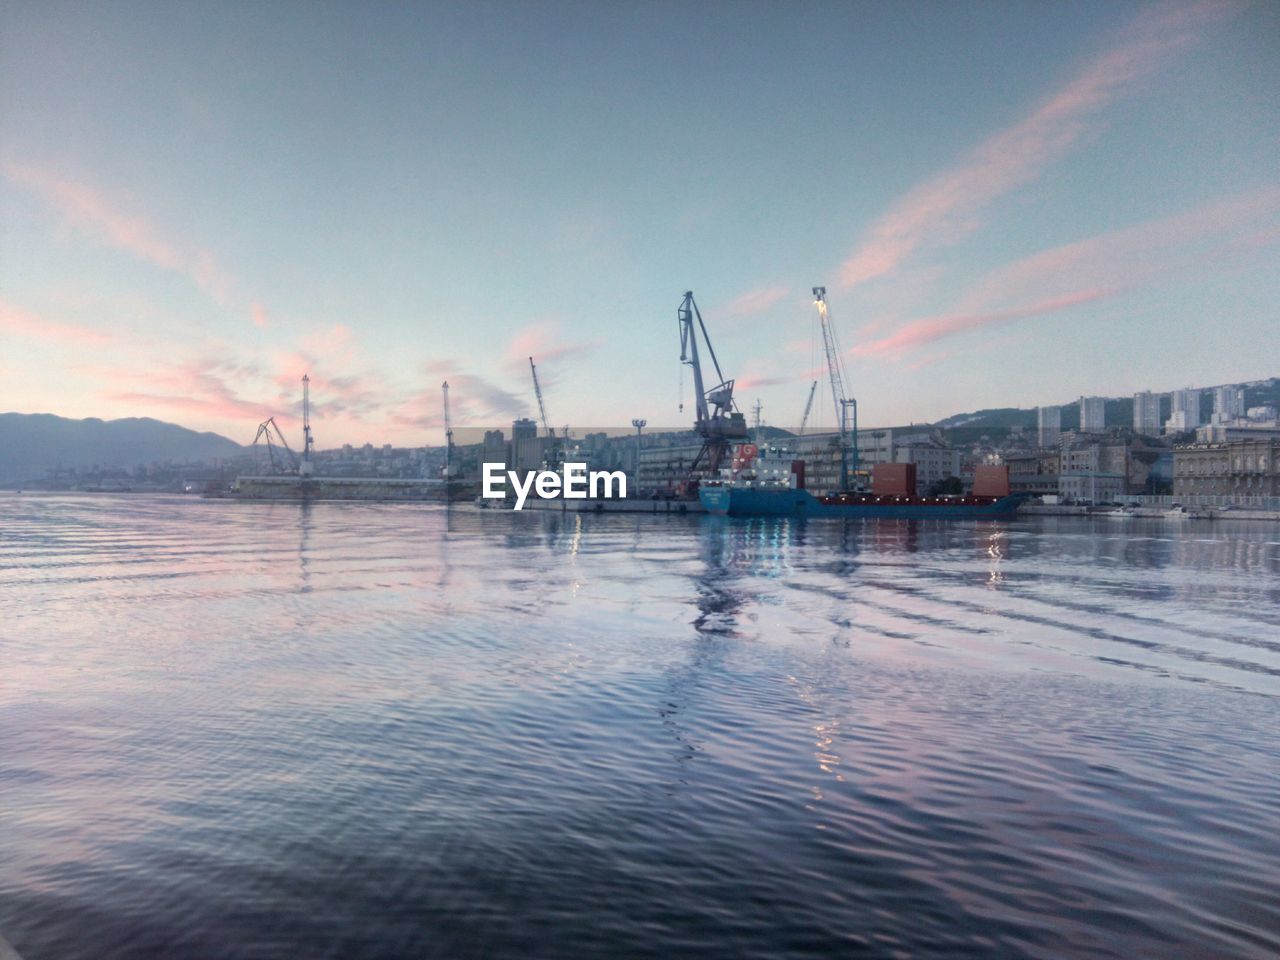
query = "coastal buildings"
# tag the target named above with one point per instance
(1248, 468)
(1146, 413)
(934, 461)
(1093, 414)
(1049, 425)
(1184, 413)
(1035, 472)
(1228, 404)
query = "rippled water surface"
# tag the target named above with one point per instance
(356, 730)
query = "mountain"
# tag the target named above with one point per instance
(1119, 410)
(31, 444)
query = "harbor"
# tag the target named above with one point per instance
(522, 718)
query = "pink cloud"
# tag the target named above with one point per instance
(546, 344)
(17, 322)
(753, 381)
(1207, 238)
(473, 401)
(754, 301)
(930, 329)
(95, 214)
(946, 207)
(258, 313)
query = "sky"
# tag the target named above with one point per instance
(1009, 204)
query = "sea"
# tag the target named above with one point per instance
(353, 730)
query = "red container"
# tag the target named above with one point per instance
(991, 482)
(893, 480)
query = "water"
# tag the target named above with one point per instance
(351, 730)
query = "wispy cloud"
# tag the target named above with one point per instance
(94, 213)
(1200, 241)
(546, 343)
(473, 400)
(754, 301)
(948, 206)
(14, 321)
(930, 329)
(204, 385)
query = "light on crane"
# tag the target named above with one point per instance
(846, 407)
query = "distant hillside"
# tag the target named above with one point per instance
(1119, 410)
(31, 444)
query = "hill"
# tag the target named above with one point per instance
(1119, 410)
(31, 444)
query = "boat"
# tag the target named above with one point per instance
(1177, 512)
(1120, 513)
(769, 483)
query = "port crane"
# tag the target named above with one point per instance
(552, 456)
(269, 432)
(846, 407)
(808, 406)
(306, 468)
(718, 421)
(447, 472)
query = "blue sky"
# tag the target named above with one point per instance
(1009, 204)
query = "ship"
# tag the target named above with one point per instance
(769, 483)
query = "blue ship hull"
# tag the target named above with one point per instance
(755, 502)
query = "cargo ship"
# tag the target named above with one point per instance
(770, 483)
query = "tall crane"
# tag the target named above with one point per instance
(808, 406)
(552, 455)
(718, 421)
(269, 432)
(448, 435)
(306, 467)
(846, 407)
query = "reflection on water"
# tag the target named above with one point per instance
(357, 730)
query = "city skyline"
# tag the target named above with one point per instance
(1010, 206)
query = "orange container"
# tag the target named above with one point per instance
(893, 479)
(991, 482)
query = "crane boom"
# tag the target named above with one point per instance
(542, 411)
(718, 421)
(266, 429)
(808, 406)
(448, 435)
(843, 404)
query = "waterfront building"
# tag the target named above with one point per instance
(1146, 413)
(1093, 414)
(1091, 487)
(1242, 468)
(1049, 426)
(1226, 431)
(1184, 413)
(934, 462)
(1034, 473)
